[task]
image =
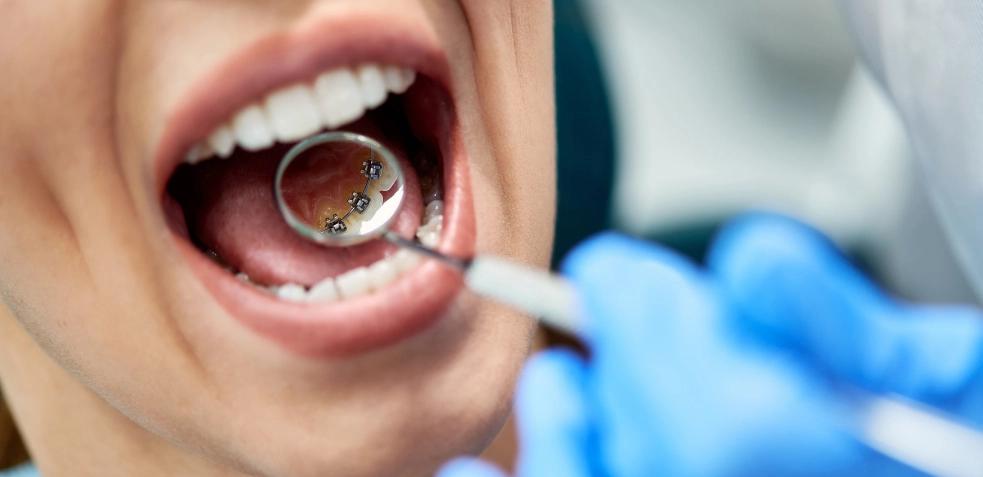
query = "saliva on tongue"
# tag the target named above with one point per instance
(230, 208)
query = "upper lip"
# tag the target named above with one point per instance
(299, 54)
(288, 57)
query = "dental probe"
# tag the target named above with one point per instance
(920, 436)
(541, 294)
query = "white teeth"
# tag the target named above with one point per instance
(339, 98)
(333, 100)
(222, 141)
(397, 79)
(382, 273)
(354, 283)
(198, 153)
(325, 291)
(375, 203)
(373, 86)
(252, 129)
(362, 280)
(292, 292)
(405, 260)
(435, 224)
(429, 233)
(386, 180)
(434, 209)
(293, 113)
(430, 240)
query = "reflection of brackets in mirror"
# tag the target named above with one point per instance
(362, 206)
(372, 170)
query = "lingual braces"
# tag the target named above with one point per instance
(372, 170)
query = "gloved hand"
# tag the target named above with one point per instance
(726, 371)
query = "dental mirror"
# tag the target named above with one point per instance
(342, 189)
(339, 188)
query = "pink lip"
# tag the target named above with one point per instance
(412, 303)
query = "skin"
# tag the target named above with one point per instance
(115, 362)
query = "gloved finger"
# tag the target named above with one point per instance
(469, 467)
(794, 286)
(552, 415)
(640, 300)
(673, 391)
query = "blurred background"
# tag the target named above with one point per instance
(674, 115)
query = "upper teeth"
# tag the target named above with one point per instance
(292, 113)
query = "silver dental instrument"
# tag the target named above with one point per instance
(920, 436)
(538, 293)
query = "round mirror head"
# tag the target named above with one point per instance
(339, 188)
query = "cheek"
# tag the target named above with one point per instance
(511, 126)
(39, 257)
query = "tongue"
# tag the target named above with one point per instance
(230, 207)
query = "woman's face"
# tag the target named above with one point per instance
(120, 259)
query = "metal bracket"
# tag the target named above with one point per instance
(372, 170)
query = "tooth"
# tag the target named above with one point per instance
(293, 113)
(339, 98)
(435, 224)
(375, 203)
(381, 273)
(429, 233)
(372, 84)
(430, 239)
(405, 260)
(324, 291)
(292, 292)
(386, 179)
(222, 141)
(353, 283)
(397, 79)
(434, 209)
(252, 129)
(198, 153)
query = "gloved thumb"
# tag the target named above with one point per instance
(792, 285)
(552, 414)
(627, 288)
(469, 467)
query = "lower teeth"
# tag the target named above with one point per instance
(362, 280)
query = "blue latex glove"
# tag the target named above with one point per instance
(725, 371)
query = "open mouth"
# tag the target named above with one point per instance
(219, 203)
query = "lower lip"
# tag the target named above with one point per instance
(408, 306)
